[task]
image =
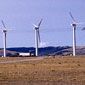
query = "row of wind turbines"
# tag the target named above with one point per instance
(37, 35)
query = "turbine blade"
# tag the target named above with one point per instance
(3, 24)
(39, 35)
(83, 28)
(72, 17)
(35, 25)
(40, 23)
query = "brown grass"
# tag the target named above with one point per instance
(49, 71)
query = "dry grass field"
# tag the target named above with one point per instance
(47, 71)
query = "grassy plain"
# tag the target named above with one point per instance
(57, 70)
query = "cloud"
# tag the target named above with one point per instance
(43, 44)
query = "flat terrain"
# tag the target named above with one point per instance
(57, 70)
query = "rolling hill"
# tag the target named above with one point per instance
(60, 50)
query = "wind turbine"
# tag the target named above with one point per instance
(4, 30)
(37, 37)
(74, 24)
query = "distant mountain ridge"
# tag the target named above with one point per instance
(45, 51)
(42, 51)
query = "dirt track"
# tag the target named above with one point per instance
(21, 60)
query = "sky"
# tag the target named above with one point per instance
(55, 30)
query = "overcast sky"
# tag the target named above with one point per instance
(55, 29)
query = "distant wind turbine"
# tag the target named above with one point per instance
(74, 24)
(4, 30)
(37, 37)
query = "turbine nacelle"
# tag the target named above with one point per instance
(36, 27)
(74, 25)
(3, 30)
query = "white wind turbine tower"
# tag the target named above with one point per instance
(37, 37)
(74, 24)
(4, 30)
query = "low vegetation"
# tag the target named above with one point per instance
(47, 71)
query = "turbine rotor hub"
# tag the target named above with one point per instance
(4, 31)
(36, 28)
(73, 24)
